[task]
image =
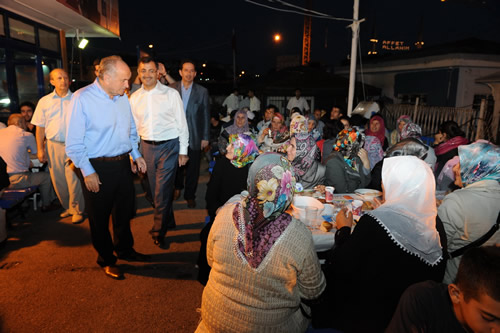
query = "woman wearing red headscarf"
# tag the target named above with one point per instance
(377, 129)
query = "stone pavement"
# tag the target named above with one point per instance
(50, 282)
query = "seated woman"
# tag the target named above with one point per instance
(396, 133)
(469, 213)
(376, 128)
(390, 248)
(330, 131)
(298, 124)
(303, 153)
(273, 137)
(374, 149)
(405, 147)
(446, 143)
(228, 178)
(414, 131)
(263, 260)
(348, 167)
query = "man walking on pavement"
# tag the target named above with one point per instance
(50, 121)
(161, 124)
(101, 134)
(196, 104)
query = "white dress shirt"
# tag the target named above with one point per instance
(159, 115)
(232, 102)
(254, 104)
(51, 113)
(15, 146)
(300, 103)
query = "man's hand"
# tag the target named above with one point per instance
(141, 164)
(204, 143)
(183, 159)
(92, 182)
(41, 156)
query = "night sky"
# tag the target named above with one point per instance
(202, 29)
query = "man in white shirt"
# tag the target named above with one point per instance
(161, 123)
(254, 102)
(50, 120)
(15, 145)
(232, 102)
(297, 102)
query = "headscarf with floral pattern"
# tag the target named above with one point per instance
(260, 217)
(245, 149)
(479, 161)
(298, 125)
(348, 143)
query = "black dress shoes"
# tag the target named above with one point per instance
(159, 241)
(191, 203)
(134, 256)
(113, 272)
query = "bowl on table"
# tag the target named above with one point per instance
(300, 203)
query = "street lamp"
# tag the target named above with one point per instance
(277, 38)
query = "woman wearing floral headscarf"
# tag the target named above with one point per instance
(348, 167)
(400, 123)
(228, 178)
(468, 213)
(298, 124)
(304, 155)
(391, 248)
(263, 260)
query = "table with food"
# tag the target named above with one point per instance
(319, 213)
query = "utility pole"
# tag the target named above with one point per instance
(354, 48)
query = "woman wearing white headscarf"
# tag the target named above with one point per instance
(263, 260)
(391, 247)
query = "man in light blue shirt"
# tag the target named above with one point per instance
(100, 135)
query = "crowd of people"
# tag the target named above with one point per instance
(257, 262)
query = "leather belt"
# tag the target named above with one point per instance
(155, 143)
(110, 159)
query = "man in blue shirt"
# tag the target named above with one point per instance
(100, 136)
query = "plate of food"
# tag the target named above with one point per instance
(368, 193)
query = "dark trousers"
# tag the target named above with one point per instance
(115, 198)
(192, 172)
(162, 161)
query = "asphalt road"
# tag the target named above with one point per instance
(50, 282)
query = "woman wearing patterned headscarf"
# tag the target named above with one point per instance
(468, 213)
(348, 167)
(273, 137)
(228, 178)
(400, 123)
(303, 153)
(240, 123)
(298, 124)
(391, 248)
(263, 260)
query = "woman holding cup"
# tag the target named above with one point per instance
(392, 247)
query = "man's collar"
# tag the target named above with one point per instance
(68, 94)
(184, 87)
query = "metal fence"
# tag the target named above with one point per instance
(430, 117)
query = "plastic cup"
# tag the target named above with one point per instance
(356, 207)
(329, 193)
(312, 216)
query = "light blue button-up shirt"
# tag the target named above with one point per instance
(99, 126)
(185, 95)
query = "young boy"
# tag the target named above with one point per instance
(471, 304)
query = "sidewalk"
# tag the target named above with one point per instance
(50, 282)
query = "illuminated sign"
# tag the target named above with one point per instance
(394, 45)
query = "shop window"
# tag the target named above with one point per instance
(20, 56)
(48, 40)
(22, 31)
(27, 87)
(4, 95)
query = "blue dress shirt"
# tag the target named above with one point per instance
(99, 126)
(185, 95)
